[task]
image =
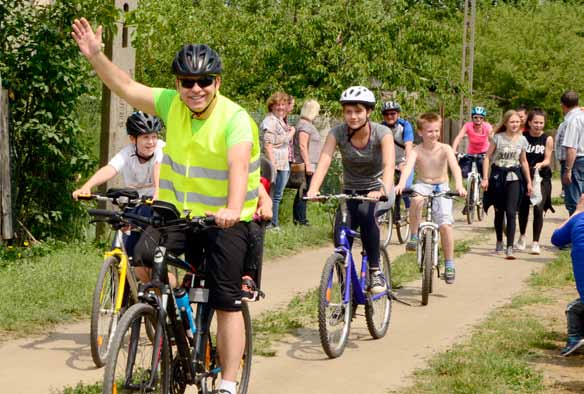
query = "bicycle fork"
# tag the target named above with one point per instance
(423, 229)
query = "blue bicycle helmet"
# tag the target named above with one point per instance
(479, 111)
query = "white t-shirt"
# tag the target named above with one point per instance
(137, 175)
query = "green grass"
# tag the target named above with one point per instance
(497, 358)
(291, 238)
(44, 290)
(82, 388)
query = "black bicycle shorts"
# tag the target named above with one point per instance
(224, 250)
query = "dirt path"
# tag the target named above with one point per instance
(47, 363)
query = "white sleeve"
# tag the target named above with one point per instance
(119, 160)
(158, 153)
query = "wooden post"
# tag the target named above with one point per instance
(6, 226)
(114, 110)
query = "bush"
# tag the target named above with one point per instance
(41, 66)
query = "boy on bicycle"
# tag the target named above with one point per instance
(431, 159)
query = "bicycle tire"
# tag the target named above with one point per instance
(209, 385)
(402, 224)
(104, 318)
(331, 314)
(427, 267)
(129, 339)
(480, 212)
(378, 312)
(385, 223)
(470, 201)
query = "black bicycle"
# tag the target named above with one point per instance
(182, 350)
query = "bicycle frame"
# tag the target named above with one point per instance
(423, 228)
(118, 251)
(358, 282)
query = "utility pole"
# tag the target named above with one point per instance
(114, 110)
(468, 39)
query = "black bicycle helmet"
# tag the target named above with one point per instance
(390, 106)
(141, 123)
(196, 59)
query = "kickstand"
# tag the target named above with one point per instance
(394, 297)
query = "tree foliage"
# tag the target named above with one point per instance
(41, 66)
(309, 48)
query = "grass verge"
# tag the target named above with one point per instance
(499, 354)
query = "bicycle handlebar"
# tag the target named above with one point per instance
(324, 197)
(447, 194)
(127, 217)
(120, 200)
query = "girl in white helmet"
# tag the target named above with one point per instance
(368, 154)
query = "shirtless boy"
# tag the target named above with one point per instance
(431, 159)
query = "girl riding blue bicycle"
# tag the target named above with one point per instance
(367, 152)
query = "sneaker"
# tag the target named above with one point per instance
(509, 253)
(249, 290)
(520, 244)
(535, 248)
(449, 275)
(573, 344)
(412, 245)
(221, 391)
(378, 284)
(272, 227)
(499, 248)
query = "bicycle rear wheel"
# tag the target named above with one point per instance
(334, 315)
(133, 356)
(402, 220)
(212, 361)
(104, 317)
(427, 267)
(378, 310)
(385, 223)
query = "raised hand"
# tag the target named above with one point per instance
(89, 42)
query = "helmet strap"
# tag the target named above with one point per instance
(143, 158)
(353, 131)
(201, 114)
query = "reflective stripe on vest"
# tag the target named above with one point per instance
(194, 173)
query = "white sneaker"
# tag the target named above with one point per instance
(520, 244)
(535, 248)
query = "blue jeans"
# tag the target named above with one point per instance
(281, 181)
(574, 190)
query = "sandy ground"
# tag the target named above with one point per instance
(484, 281)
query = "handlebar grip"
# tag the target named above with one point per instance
(452, 194)
(85, 197)
(102, 212)
(383, 198)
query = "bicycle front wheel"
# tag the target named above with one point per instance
(104, 317)
(334, 313)
(470, 201)
(135, 364)
(385, 223)
(479, 205)
(402, 220)
(211, 362)
(378, 307)
(427, 267)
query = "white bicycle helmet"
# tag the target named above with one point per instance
(358, 95)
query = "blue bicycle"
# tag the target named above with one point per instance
(342, 290)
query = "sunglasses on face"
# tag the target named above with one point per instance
(390, 113)
(202, 82)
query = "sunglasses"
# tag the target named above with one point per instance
(202, 82)
(392, 113)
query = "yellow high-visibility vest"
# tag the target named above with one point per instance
(194, 173)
